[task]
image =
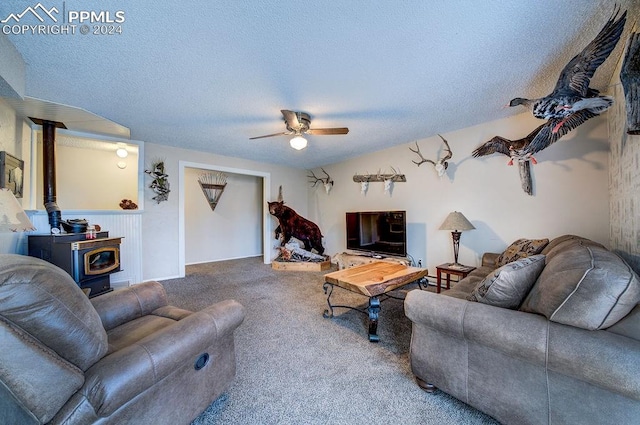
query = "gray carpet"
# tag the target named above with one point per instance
(296, 367)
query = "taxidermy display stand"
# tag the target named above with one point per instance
(630, 78)
(212, 186)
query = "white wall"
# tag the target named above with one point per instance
(160, 224)
(89, 179)
(15, 139)
(569, 183)
(233, 229)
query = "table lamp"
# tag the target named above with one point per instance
(457, 223)
(12, 216)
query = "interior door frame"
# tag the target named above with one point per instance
(266, 194)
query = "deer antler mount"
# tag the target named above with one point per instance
(441, 164)
(327, 182)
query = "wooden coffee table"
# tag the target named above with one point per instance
(373, 280)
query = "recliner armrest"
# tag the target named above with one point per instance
(122, 375)
(124, 305)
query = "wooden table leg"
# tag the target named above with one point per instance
(374, 309)
(438, 282)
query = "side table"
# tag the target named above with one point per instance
(449, 269)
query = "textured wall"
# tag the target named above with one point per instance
(624, 182)
(570, 190)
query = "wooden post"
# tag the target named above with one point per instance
(630, 78)
(525, 176)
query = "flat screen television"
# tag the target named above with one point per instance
(377, 232)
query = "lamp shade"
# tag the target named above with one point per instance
(456, 221)
(12, 216)
(298, 142)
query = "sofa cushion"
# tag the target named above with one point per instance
(508, 286)
(584, 285)
(520, 249)
(561, 243)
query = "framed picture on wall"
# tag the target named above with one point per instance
(11, 173)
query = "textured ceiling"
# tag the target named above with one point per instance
(208, 75)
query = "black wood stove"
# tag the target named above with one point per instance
(88, 261)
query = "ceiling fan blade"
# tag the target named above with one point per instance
(291, 118)
(270, 135)
(327, 131)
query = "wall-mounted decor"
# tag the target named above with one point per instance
(516, 151)
(327, 182)
(441, 164)
(364, 186)
(160, 183)
(11, 173)
(212, 186)
(388, 179)
(395, 177)
(630, 78)
(572, 93)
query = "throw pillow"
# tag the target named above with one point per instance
(520, 249)
(508, 286)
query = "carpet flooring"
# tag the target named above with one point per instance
(296, 367)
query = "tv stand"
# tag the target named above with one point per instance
(346, 260)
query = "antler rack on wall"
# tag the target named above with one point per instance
(359, 178)
(213, 185)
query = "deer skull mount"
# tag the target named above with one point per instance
(388, 182)
(441, 164)
(388, 179)
(326, 181)
(364, 186)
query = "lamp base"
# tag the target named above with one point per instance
(455, 235)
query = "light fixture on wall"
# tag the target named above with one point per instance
(122, 165)
(457, 223)
(12, 216)
(298, 142)
(121, 151)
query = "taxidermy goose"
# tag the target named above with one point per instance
(512, 148)
(542, 137)
(572, 92)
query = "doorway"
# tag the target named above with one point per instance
(187, 173)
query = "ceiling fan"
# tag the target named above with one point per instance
(298, 124)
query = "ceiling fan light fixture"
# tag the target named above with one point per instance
(298, 142)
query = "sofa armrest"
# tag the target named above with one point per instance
(512, 332)
(490, 259)
(124, 305)
(598, 357)
(122, 375)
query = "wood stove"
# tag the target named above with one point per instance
(88, 257)
(88, 261)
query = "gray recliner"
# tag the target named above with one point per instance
(124, 358)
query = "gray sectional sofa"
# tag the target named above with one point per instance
(568, 353)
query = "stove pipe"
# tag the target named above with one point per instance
(49, 172)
